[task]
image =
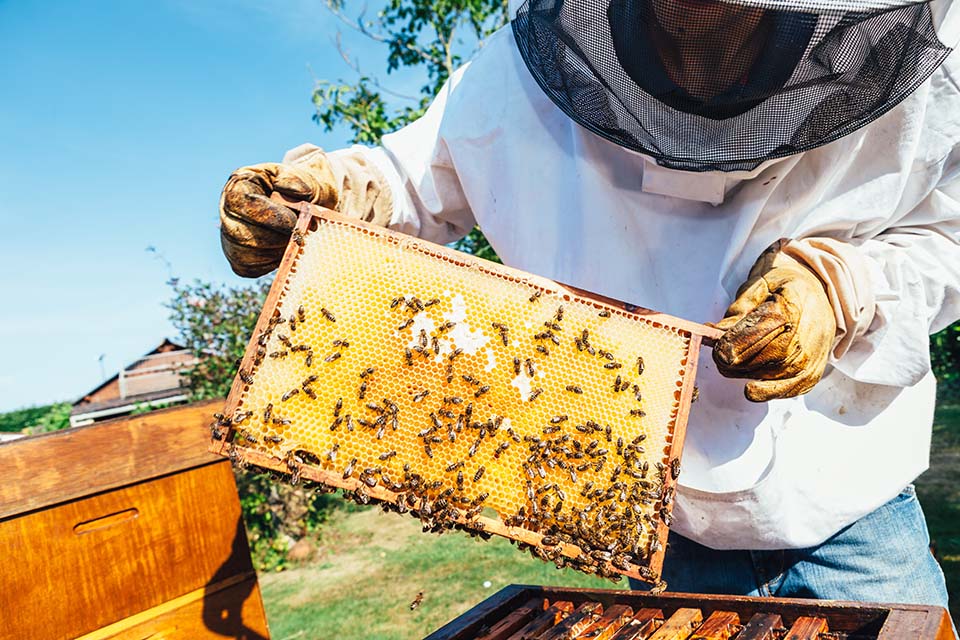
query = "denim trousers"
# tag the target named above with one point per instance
(882, 557)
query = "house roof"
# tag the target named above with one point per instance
(164, 347)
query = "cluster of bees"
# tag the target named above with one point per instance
(623, 498)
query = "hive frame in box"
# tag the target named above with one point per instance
(310, 216)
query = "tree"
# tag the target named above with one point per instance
(433, 35)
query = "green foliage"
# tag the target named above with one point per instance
(33, 420)
(14, 421)
(945, 356)
(425, 34)
(215, 323)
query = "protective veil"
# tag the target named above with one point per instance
(706, 85)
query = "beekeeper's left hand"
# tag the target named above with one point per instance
(779, 330)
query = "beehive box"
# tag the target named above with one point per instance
(468, 394)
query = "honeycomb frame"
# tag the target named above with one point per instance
(239, 443)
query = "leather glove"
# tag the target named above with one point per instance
(255, 230)
(779, 330)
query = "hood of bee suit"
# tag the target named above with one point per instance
(724, 88)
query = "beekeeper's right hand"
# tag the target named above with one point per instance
(255, 230)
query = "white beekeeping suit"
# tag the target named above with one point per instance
(656, 170)
(557, 199)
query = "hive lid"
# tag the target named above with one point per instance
(468, 393)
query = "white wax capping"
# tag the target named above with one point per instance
(470, 340)
(522, 383)
(491, 361)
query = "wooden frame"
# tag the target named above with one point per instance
(864, 620)
(311, 215)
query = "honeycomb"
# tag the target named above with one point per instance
(461, 388)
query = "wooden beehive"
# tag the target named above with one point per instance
(469, 394)
(522, 612)
(125, 529)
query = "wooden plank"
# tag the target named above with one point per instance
(584, 616)
(549, 618)
(643, 623)
(679, 626)
(807, 628)
(57, 467)
(903, 623)
(609, 623)
(185, 533)
(234, 610)
(719, 625)
(762, 626)
(469, 623)
(514, 620)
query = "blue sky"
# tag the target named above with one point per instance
(119, 124)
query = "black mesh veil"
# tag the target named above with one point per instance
(705, 85)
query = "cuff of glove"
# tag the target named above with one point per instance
(364, 192)
(845, 273)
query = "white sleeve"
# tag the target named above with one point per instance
(914, 270)
(428, 199)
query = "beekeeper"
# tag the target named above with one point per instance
(789, 166)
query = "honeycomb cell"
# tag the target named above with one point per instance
(445, 382)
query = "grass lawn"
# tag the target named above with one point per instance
(371, 565)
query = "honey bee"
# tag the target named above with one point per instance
(435, 344)
(503, 446)
(431, 302)
(558, 419)
(536, 295)
(446, 326)
(289, 394)
(542, 349)
(297, 237)
(293, 323)
(455, 353)
(245, 376)
(534, 394)
(639, 365)
(420, 396)
(406, 323)
(572, 388)
(479, 473)
(531, 371)
(267, 412)
(337, 421)
(552, 429)
(301, 314)
(332, 454)
(428, 450)
(549, 541)
(408, 357)
(349, 470)
(362, 390)
(278, 354)
(310, 392)
(604, 313)
(417, 601)
(675, 468)
(696, 395)
(516, 366)
(482, 390)
(326, 314)
(449, 373)
(395, 302)
(639, 413)
(456, 465)
(273, 439)
(559, 314)
(340, 343)
(308, 361)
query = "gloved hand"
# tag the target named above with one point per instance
(779, 330)
(255, 230)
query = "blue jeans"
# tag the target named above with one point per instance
(883, 557)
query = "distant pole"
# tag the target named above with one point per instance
(103, 373)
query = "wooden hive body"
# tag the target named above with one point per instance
(468, 392)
